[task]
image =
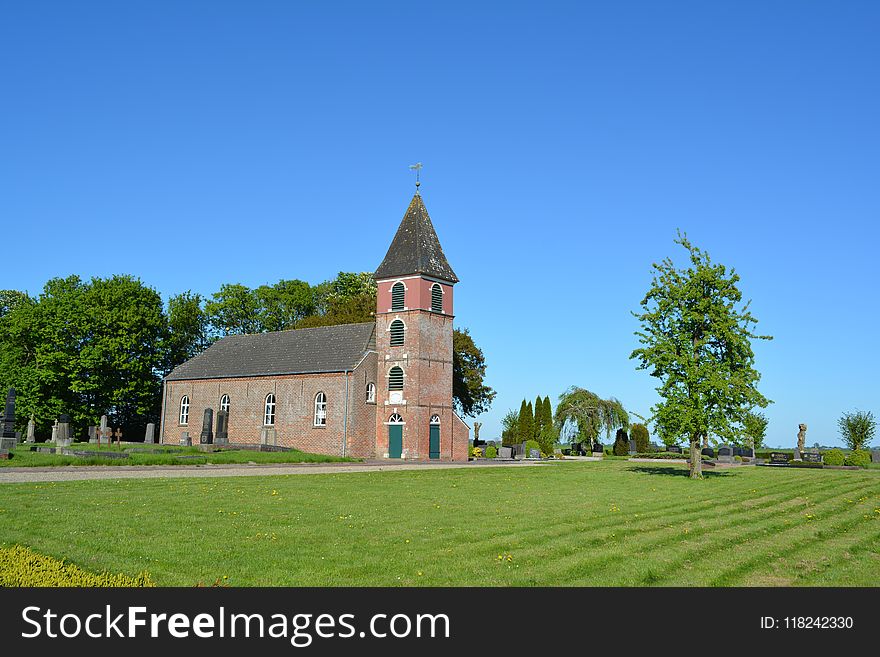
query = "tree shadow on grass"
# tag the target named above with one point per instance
(673, 471)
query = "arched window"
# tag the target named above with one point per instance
(395, 419)
(184, 409)
(371, 393)
(436, 298)
(397, 330)
(224, 403)
(398, 292)
(435, 419)
(320, 410)
(269, 411)
(395, 379)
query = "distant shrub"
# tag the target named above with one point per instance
(859, 457)
(804, 464)
(834, 457)
(621, 443)
(477, 452)
(639, 433)
(530, 445)
(738, 458)
(491, 452)
(21, 566)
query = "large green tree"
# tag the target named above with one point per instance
(857, 428)
(188, 328)
(283, 305)
(589, 414)
(755, 428)
(697, 340)
(85, 349)
(234, 310)
(469, 394)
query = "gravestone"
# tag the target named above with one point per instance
(632, 447)
(31, 431)
(812, 457)
(534, 453)
(267, 436)
(221, 437)
(779, 458)
(54, 430)
(93, 434)
(185, 440)
(708, 451)
(598, 449)
(875, 456)
(505, 453)
(7, 424)
(725, 454)
(103, 426)
(748, 452)
(150, 434)
(737, 451)
(207, 436)
(797, 454)
(62, 436)
(673, 448)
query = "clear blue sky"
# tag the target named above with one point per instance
(197, 143)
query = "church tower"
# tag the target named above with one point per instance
(414, 414)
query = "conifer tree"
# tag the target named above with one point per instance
(540, 420)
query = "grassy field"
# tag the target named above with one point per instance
(608, 523)
(170, 455)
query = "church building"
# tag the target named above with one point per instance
(380, 389)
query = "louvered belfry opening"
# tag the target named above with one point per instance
(436, 298)
(397, 296)
(397, 333)
(395, 379)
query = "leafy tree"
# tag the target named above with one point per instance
(86, 349)
(188, 328)
(234, 310)
(283, 305)
(470, 395)
(755, 428)
(697, 341)
(857, 429)
(509, 428)
(12, 299)
(589, 413)
(639, 433)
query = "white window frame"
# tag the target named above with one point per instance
(395, 419)
(224, 403)
(435, 419)
(184, 410)
(320, 410)
(371, 393)
(269, 410)
(403, 303)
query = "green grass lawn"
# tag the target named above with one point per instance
(575, 523)
(171, 455)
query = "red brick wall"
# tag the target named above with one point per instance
(294, 411)
(417, 295)
(426, 359)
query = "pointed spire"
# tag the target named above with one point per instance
(416, 248)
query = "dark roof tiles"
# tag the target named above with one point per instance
(302, 351)
(415, 248)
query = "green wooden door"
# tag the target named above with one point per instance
(434, 445)
(395, 441)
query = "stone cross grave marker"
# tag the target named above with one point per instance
(31, 431)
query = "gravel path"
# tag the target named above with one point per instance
(85, 472)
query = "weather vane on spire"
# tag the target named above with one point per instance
(417, 167)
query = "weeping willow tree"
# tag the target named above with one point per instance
(589, 414)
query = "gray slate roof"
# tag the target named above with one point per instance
(415, 248)
(301, 351)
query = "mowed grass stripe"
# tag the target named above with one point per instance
(838, 534)
(776, 529)
(652, 543)
(557, 548)
(600, 519)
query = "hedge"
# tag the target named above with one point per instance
(21, 566)
(859, 457)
